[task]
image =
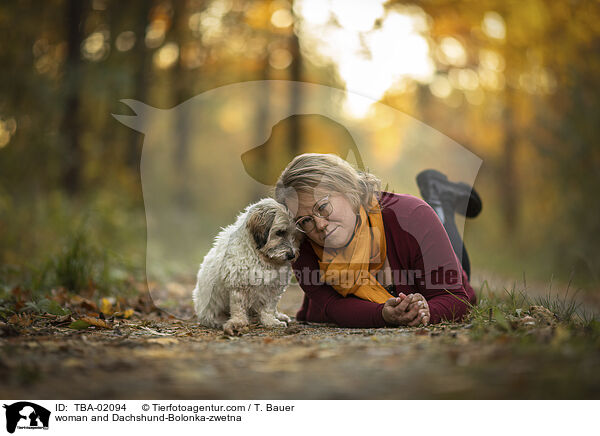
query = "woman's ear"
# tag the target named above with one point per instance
(260, 220)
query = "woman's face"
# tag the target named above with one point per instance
(337, 229)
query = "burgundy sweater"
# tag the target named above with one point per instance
(422, 261)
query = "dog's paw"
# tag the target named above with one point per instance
(274, 322)
(283, 317)
(234, 328)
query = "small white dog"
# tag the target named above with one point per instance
(247, 269)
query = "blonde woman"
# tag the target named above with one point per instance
(372, 258)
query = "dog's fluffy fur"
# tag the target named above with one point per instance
(247, 269)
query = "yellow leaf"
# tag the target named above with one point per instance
(106, 307)
(96, 322)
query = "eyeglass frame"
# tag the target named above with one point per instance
(314, 214)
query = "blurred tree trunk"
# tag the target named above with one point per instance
(295, 133)
(181, 85)
(261, 120)
(508, 174)
(143, 68)
(71, 125)
(262, 112)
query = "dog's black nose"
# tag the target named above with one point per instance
(290, 255)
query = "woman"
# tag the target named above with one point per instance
(373, 258)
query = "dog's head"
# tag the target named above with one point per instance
(273, 231)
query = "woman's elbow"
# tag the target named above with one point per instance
(454, 311)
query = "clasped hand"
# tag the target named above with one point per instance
(410, 310)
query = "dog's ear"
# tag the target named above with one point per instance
(259, 223)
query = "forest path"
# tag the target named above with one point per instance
(154, 357)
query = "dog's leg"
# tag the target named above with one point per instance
(269, 316)
(282, 317)
(238, 305)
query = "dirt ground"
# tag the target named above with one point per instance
(156, 357)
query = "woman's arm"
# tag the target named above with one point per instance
(344, 311)
(449, 306)
(443, 285)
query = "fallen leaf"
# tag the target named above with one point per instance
(84, 303)
(22, 320)
(51, 307)
(97, 322)
(126, 314)
(79, 325)
(106, 307)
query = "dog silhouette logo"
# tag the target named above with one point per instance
(208, 157)
(295, 135)
(26, 415)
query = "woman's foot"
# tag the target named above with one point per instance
(437, 190)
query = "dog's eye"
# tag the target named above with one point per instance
(280, 232)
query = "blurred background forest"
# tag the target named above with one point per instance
(513, 82)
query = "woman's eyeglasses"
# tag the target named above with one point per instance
(321, 209)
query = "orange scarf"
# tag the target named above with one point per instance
(350, 269)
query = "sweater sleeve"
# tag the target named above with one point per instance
(347, 311)
(442, 281)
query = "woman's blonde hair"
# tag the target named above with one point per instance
(329, 171)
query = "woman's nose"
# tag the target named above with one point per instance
(320, 223)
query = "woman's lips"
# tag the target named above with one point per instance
(329, 234)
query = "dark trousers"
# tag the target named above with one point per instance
(447, 218)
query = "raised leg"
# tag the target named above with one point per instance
(446, 198)
(457, 243)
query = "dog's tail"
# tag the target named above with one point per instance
(201, 297)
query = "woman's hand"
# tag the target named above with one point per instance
(424, 315)
(410, 310)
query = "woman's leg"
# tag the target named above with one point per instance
(446, 198)
(447, 218)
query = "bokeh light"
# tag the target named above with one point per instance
(493, 25)
(125, 41)
(374, 50)
(166, 56)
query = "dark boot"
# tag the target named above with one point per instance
(437, 190)
(446, 198)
